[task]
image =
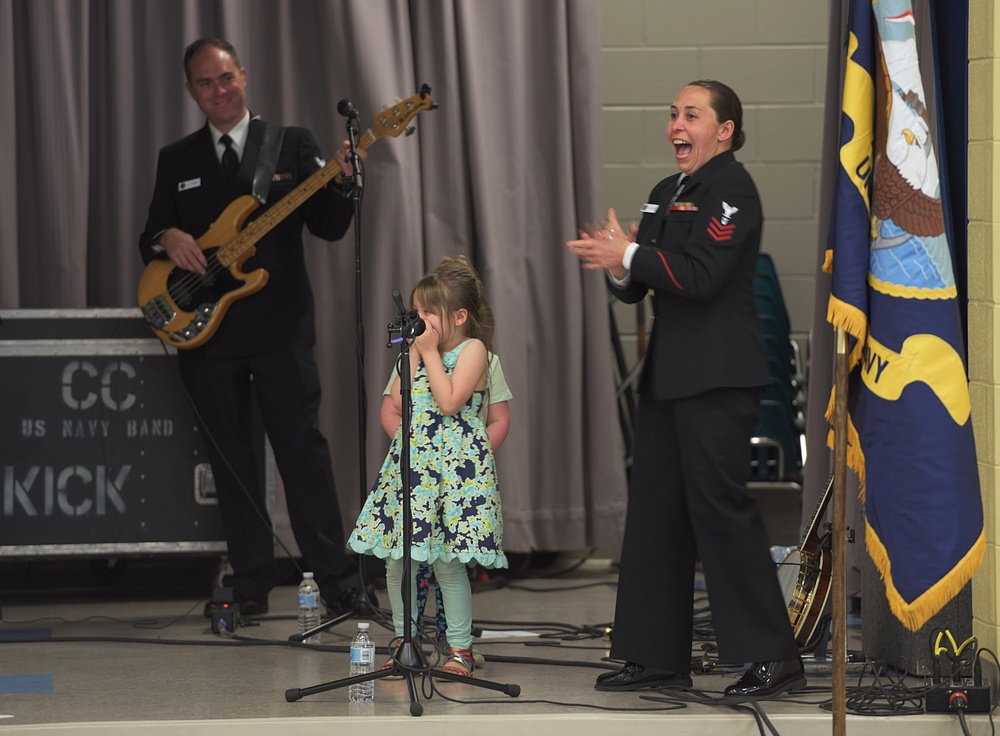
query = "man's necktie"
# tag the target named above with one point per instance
(230, 162)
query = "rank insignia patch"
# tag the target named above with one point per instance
(720, 232)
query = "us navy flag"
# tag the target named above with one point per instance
(893, 291)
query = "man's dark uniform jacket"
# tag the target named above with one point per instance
(191, 192)
(263, 346)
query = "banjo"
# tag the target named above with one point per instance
(804, 575)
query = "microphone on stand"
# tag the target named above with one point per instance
(409, 321)
(417, 326)
(346, 108)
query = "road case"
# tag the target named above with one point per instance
(100, 449)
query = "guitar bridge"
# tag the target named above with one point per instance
(202, 317)
(158, 312)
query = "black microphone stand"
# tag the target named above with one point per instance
(408, 660)
(353, 128)
(355, 193)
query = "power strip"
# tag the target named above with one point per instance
(975, 698)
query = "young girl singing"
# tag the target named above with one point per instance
(497, 419)
(453, 495)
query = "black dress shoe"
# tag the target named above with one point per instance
(640, 677)
(767, 679)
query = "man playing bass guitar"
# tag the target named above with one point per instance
(265, 344)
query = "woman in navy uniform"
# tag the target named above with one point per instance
(696, 249)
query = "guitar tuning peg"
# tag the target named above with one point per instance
(411, 130)
(398, 100)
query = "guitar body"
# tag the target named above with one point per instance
(184, 308)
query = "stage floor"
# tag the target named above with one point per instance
(80, 662)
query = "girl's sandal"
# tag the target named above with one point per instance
(459, 662)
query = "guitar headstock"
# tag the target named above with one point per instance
(394, 119)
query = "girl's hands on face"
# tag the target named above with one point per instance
(430, 339)
(427, 342)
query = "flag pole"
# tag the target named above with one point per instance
(838, 626)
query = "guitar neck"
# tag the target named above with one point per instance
(252, 233)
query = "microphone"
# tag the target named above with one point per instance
(409, 319)
(346, 108)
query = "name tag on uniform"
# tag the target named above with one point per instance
(189, 184)
(649, 208)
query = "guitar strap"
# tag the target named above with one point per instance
(267, 161)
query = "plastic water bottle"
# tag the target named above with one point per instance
(308, 607)
(362, 662)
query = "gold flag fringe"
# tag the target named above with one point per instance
(919, 612)
(827, 266)
(855, 455)
(847, 317)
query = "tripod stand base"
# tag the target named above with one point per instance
(505, 688)
(407, 672)
(294, 694)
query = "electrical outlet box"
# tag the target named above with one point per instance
(942, 699)
(224, 611)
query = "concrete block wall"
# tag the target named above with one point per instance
(984, 299)
(773, 53)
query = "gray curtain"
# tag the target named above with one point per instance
(504, 171)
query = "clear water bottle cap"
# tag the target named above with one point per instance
(307, 575)
(362, 626)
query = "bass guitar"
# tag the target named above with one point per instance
(805, 575)
(184, 308)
